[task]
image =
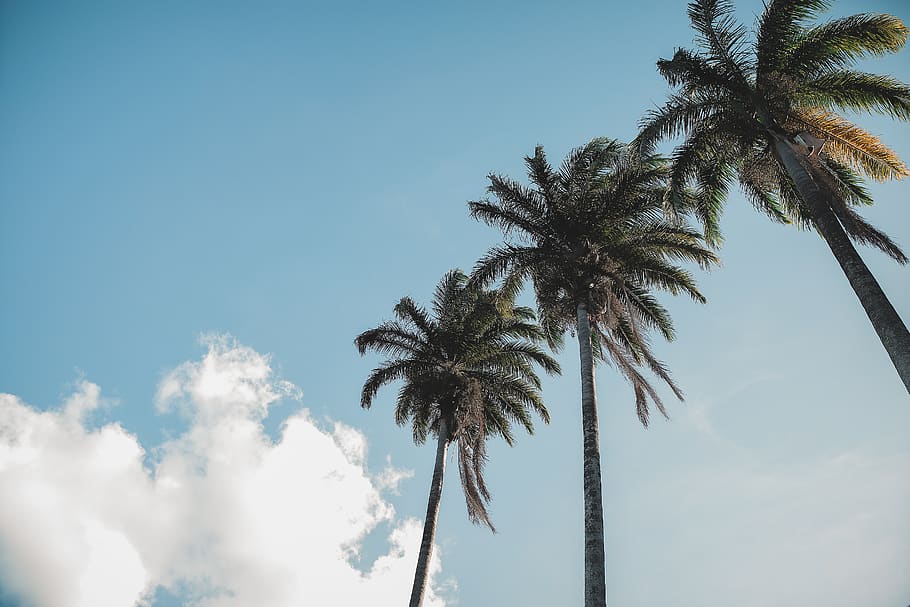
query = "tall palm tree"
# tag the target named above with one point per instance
(467, 372)
(593, 240)
(763, 110)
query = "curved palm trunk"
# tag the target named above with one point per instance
(429, 525)
(891, 329)
(595, 564)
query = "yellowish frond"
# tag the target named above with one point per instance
(850, 144)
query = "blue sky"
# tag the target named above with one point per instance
(284, 174)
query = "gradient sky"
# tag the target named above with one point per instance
(284, 172)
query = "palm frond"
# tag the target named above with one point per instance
(857, 92)
(849, 144)
(779, 28)
(841, 42)
(724, 38)
(865, 233)
(389, 338)
(762, 196)
(836, 180)
(507, 218)
(385, 374)
(542, 174)
(408, 311)
(849, 185)
(677, 116)
(504, 260)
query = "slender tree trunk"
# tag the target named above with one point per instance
(891, 329)
(595, 564)
(429, 525)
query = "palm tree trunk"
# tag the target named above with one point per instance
(595, 564)
(429, 525)
(891, 329)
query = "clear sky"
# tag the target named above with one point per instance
(172, 173)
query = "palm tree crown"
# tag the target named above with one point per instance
(594, 233)
(593, 239)
(764, 111)
(468, 363)
(735, 95)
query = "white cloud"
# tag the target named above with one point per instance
(227, 516)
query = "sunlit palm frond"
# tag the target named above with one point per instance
(841, 42)
(851, 145)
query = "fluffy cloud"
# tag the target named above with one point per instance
(226, 516)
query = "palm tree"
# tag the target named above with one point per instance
(593, 240)
(468, 375)
(763, 111)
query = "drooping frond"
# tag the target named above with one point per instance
(763, 198)
(471, 436)
(514, 396)
(658, 273)
(702, 162)
(843, 192)
(850, 185)
(864, 232)
(628, 367)
(635, 301)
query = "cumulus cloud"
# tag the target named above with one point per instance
(226, 517)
